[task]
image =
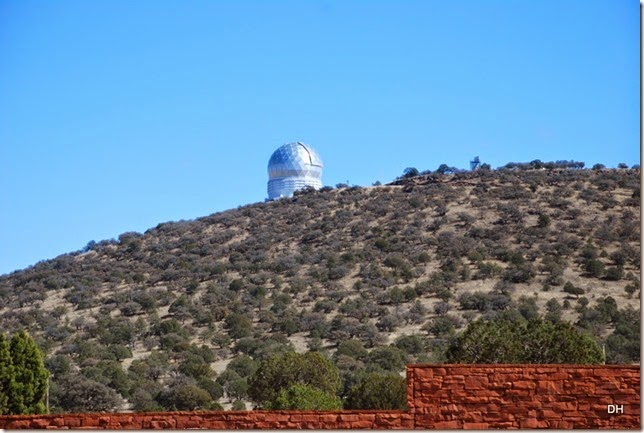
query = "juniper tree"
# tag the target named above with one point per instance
(6, 375)
(30, 376)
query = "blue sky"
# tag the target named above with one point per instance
(118, 115)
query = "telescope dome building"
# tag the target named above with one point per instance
(293, 166)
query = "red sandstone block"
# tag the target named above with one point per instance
(607, 372)
(528, 423)
(499, 385)
(467, 371)
(549, 414)
(361, 424)
(504, 425)
(476, 382)
(189, 423)
(564, 405)
(524, 384)
(423, 374)
(89, 421)
(349, 417)
(67, 422)
(499, 417)
(560, 424)
(518, 392)
(38, 423)
(546, 369)
(475, 425)
(551, 387)
(17, 424)
(328, 418)
(446, 425)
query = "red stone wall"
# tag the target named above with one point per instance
(523, 396)
(231, 420)
(439, 397)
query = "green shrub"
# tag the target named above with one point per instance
(523, 342)
(305, 397)
(281, 371)
(377, 391)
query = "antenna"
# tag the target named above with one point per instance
(475, 163)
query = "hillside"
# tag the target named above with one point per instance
(136, 317)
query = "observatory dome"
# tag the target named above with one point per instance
(291, 167)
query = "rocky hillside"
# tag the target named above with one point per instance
(391, 272)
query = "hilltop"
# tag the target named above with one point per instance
(395, 270)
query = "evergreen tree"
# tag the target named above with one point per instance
(281, 371)
(6, 375)
(378, 391)
(305, 397)
(520, 341)
(30, 376)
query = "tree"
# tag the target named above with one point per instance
(30, 376)
(76, 394)
(573, 290)
(305, 397)
(536, 341)
(183, 394)
(191, 397)
(377, 391)
(243, 365)
(281, 371)
(594, 268)
(410, 172)
(6, 375)
(387, 358)
(238, 325)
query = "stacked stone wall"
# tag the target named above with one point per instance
(438, 397)
(524, 396)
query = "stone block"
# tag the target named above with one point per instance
(475, 426)
(423, 374)
(349, 417)
(550, 387)
(524, 384)
(476, 382)
(564, 405)
(361, 424)
(528, 423)
(446, 425)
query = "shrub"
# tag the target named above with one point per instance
(523, 342)
(614, 273)
(238, 325)
(411, 344)
(572, 290)
(594, 268)
(190, 397)
(305, 397)
(281, 371)
(387, 358)
(377, 391)
(238, 405)
(76, 394)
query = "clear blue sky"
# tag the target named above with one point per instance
(118, 115)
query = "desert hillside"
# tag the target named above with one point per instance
(388, 272)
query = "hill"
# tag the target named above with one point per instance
(389, 272)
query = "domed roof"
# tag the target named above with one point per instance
(294, 159)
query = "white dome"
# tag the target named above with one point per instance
(291, 167)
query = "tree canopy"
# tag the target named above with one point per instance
(521, 341)
(23, 376)
(280, 372)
